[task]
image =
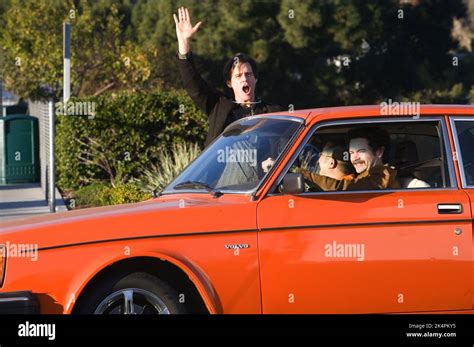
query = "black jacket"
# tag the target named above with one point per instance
(220, 109)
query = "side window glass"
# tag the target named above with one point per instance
(376, 156)
(465, 132)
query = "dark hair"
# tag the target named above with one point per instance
(239, 58)
(338, 153)
(376, 137)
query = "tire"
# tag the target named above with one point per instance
(133, 293)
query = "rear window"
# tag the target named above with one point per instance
(465, 134)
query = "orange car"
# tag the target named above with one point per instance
(227, 236)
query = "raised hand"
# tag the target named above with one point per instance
(184, 29)
(267, 164)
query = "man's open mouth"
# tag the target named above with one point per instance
(246, 89)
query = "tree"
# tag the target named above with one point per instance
(319, 53)
(363, 52)
(101, 58)
(310, 53)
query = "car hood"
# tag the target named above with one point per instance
(167, 215)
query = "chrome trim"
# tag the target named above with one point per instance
(457, 147)
(205, 192)
(317, 126)
(124, 298)
(448, 153)
(23, 298)
(374, 191)
(257, 116)
(448, 208)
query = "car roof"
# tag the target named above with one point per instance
(344, 112)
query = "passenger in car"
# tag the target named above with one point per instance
(332, 163)
(407, 157)
(367, 148)
(413, 183)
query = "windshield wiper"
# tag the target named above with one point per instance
(198, 185)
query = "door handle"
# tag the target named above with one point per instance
(450, 208)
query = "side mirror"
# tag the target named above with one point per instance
(292, 183)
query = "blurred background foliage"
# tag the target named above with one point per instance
(128, 133)
(311, 53)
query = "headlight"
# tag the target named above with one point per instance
(3, 261)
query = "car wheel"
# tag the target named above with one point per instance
(135, 293)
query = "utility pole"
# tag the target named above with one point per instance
(52, 167)
(66, 95)
(2, 109)
(67, 62)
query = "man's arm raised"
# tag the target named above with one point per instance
(205, 97)
(184, 29)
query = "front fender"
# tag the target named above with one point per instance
(195, 274)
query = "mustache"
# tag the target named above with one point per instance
(359, 161)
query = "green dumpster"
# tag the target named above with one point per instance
(19, 149)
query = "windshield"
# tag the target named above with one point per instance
(233, 163)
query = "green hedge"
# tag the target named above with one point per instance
(87, 196)
(100, 194)
(127, 133)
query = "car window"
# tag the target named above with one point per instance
(413, 157)
(465, 134)
(234, 161)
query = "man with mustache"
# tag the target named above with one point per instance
(367, 148)
(240, 75)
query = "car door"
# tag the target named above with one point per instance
(406, 250)
(463, 134)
